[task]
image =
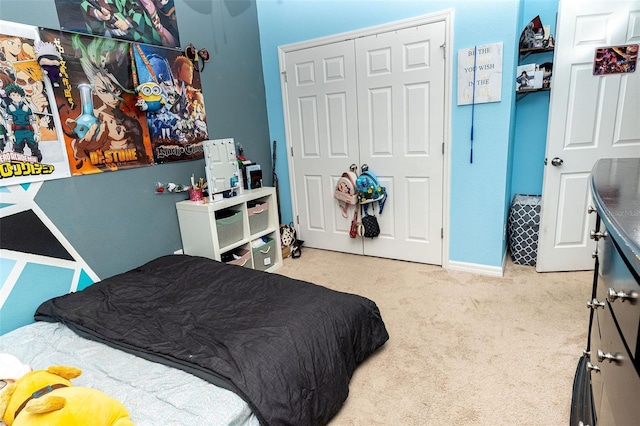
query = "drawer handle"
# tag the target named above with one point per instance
(592, 367)
(613, 295)
(602, 356)
(258, 211)
(597, 235)
(265, 251)
(595, 304)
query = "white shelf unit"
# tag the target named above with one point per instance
(200, 231)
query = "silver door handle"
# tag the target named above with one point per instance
(557, 162)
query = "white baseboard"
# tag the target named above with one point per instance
(474, 268)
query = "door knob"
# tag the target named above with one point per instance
(557, 162)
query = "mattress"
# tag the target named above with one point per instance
(153, 393)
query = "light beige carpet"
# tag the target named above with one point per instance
(464, 349)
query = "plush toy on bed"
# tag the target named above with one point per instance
(47, 397)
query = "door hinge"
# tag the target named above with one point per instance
(443, 46)
(292, 151)
(298, 220)
(442, 148)
(441, 233)
(284, 74)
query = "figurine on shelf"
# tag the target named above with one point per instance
(547, 69)
(549, 43)
(538, 39)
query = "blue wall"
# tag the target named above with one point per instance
(480, 192)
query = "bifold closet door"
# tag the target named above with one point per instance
(377, 100)
(401, 132)
(323, 123)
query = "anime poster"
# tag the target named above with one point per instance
(31, 145)
(103, 129)
(615, 60)
(175, 112)
(144, 21)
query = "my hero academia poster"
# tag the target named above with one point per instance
(103, 129)
(144, 21)
(31, 144)
(174, 103)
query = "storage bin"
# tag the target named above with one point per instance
(264, 256)
(244, 257)
(523, 227)
(229, 226)
(258, 212)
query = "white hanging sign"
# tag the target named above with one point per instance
(482, 65)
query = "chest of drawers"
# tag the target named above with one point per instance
(607, 382)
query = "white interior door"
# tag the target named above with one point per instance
(322, 116)
(375, 99)
(591, 117)
(401, 129)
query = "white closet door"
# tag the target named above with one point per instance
(401, 129)
(323, 132)
(377, 100)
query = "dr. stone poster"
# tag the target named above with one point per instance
(31, 146)
(103, 129)
(175, 116)
(144, 21)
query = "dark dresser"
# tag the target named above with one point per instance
(606, 388)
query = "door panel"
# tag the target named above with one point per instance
(401, 122)
(590, 117)
(321, 99)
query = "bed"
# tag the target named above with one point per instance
(225, 344)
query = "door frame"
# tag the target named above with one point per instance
(445, 16)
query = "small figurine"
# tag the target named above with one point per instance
(550, 42)
(49, 59)
(149, 97)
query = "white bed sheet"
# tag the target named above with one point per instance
(153, 393)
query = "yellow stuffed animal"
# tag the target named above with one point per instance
(47, 397)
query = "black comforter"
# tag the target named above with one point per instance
(288, 347)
